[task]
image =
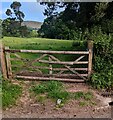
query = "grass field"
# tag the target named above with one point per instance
(37, 43)
(41, 44)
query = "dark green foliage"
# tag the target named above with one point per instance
(76, 18)
(54, 28)
(10, 93)
(104, 79)
(12, 25)
(103, 59)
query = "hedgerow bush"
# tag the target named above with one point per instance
(103, 59)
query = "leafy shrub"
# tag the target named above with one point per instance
(103, 80)
(103, 59)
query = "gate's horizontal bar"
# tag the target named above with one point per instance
(47, 52)
(55, 69)
(19, 59)
(63, 63)
(50, 78)
(65, 69)
(57, 75)
(68, 75)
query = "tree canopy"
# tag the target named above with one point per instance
(15, 10)
(77, 16)
(12, 25)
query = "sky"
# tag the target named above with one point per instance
(33, 11)
(31, 8)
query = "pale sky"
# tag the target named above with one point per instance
(33, 10)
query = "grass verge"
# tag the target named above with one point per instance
(10, 93)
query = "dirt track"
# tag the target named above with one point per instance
(27, 107)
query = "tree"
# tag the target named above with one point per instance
(53, 27)
(12, 25)
(19, 15)
(81, 15)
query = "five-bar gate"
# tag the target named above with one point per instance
(47, 65)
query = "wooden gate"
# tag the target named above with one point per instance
(47, 65)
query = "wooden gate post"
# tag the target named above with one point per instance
(3, 61)
(90, 48)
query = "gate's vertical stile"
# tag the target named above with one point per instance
(9, 69)
(3, 61)
(90, 48)
(50, 66)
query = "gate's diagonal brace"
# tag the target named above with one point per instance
(79, 58)
(19, 57)
(42, 56)
(68, 67)
(28, 64)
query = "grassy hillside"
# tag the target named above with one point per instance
(32, 24)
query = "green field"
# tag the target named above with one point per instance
(37, 43)
(40, 44)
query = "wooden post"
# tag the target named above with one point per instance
(50, 67)
(90, 48)
(3, 61)
(9, 69)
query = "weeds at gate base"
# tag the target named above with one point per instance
(55, 90)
